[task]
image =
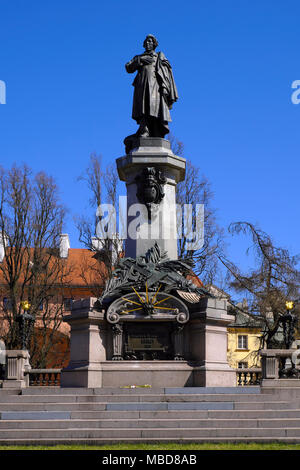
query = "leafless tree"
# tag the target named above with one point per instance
(274, 280)
(31, 220)
(103, 186)
(196, 191)
(93, 177)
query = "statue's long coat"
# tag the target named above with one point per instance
(151, 79)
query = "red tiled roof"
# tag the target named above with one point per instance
(83, 269)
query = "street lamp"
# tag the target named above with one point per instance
(25, 320)
(288, 321)
(289, 305)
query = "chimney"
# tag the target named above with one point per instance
(3, 244)
(64, 245)
(115, 247)
(97, 244)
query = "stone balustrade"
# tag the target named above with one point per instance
(246, 377)
(278, 364)
(44, 377)
(16, 369)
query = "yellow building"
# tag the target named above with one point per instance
(243, 335)
(244, 342)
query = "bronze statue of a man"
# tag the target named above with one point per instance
(154, 90)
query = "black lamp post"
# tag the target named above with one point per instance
(288, 321)
(25, 321)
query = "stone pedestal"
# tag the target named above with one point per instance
(208, 344)
(203, 343)
(16, 369)
(194, 349)
(154, 373)
(88, 346)
(151, 153)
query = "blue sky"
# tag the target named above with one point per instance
(234, 61)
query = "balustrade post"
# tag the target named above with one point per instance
(16, 369)
(270, 366)
(277, 365)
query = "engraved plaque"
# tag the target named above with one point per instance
(141, 342)
(148, 341)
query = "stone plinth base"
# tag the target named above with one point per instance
(165, 374)
(204, 350)
(280, 383)
(16, 368)
(154, 373)
(82, 376)
(208, 344)
(121, 373)
(214, 375)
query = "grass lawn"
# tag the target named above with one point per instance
(168, 446)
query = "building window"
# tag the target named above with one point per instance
(68, 303)
(242, 365)
(242, 342)
(6, 303)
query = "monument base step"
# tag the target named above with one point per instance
(87, 416)
(153, 373)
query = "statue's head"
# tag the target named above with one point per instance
(150, 42)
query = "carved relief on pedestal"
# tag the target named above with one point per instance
(150, 188)
(138, 320)
(178, 342)
(117, 331)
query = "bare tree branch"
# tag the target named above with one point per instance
(31, 220)
(196, 190)
(274, 280)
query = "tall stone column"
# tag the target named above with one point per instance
(151, 172)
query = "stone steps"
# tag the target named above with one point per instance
(179, 415)
(106, 441)
(140, 391)
(52, 424)
(170, 433)
(144, 406)
(50, 415)
(140, 440)
(228, 415)
(68, 399)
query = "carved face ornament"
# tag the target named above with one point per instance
(150, 187)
